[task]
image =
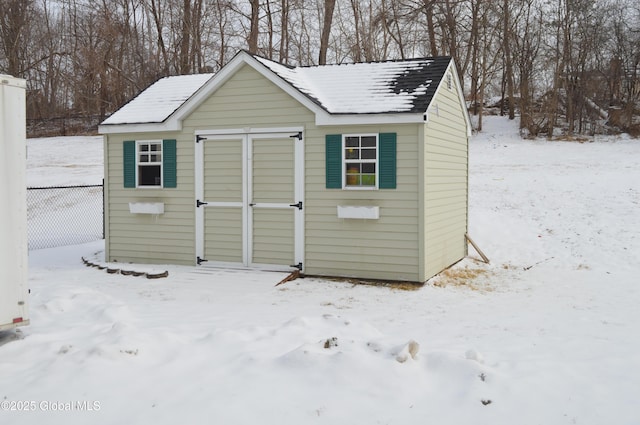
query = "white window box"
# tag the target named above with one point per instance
(146, 207)
(362, 212)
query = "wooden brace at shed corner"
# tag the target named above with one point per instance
(478, 250)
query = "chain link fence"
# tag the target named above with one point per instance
(64, 215)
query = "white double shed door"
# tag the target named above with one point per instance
(249, 186)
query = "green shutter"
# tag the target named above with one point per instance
(169, 169)
(387, 158)
(129, 163)
(333, 161)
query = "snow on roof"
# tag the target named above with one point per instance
(364, 88)
(159, 101)
(358, 88)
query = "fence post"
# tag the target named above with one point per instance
(104, 218)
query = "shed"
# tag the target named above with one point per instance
(354, 170)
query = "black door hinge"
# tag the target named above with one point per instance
(297, 136)
(200, 138)
(200, 260)
(297, 266)
(298, 205)
(200, 203)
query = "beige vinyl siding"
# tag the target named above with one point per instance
(149, 238)
(273, 236)
(223, 165)
(273, 171)
(223, 234)
(446, 177)
(248, 99)
(386, 248)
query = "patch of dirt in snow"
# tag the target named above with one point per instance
(465, 274)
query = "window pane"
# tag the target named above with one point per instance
(156, 158)
(155, 147)
(149, 175)
(368, 153)
(353, 168)
(144, 148)
(369, 141)
(352, 142)
(353, 171)
(353, 180)
(351, 153)
(144, 158)
(368, 179)
(369, 168)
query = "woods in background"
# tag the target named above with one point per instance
(564, 64)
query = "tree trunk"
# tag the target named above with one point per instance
(185, 41)
(222, 11)
(13, 21)
(253, 33)
(357, 56)
(506, 43)
(157, 19)
(326, 30)
(196, 37)
(428, 9)
(284, 32)
(270, 30)
(552, 105)
(474, 45)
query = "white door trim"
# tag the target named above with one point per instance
(246, 137)
(199, 191)
(247, 130)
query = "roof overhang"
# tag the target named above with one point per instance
(167, 125)
(356, 119)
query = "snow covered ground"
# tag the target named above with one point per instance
(64, 161)
(545, 334)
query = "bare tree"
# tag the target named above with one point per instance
(252, 41)
(284, 31)
(14, 18)
(567, 63)
(507, 76)
(527, 39)
(329, 5)
(157, 13)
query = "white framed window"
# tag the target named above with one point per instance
(360, 161)
(149, 163)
